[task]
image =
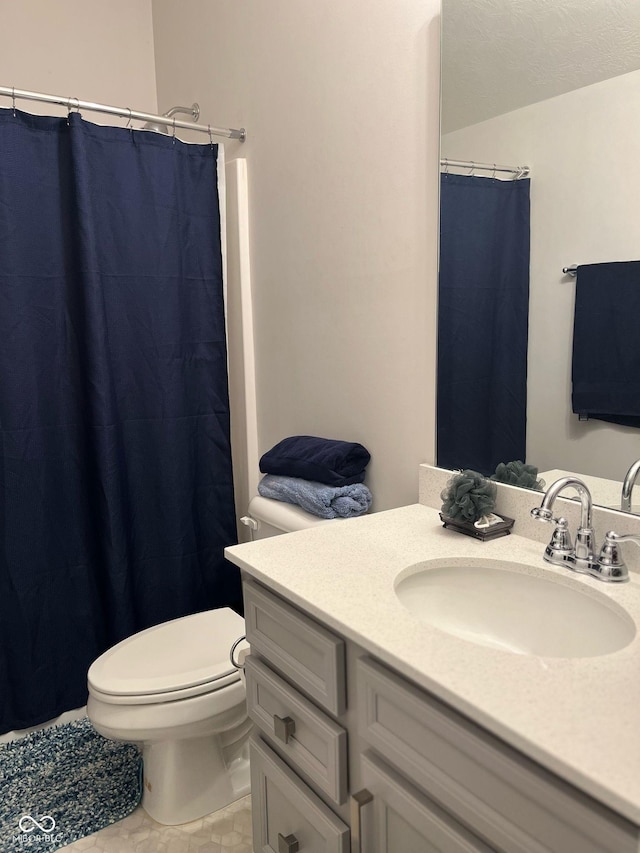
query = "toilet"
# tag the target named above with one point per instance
(267, 517)
(173, 689)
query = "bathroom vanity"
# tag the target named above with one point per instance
(378, 731)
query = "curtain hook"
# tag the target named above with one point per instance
(128, 124)
(446, 166)
(473, 165)
(494, 172)
(174, 130)
(210, 136)
(13, 98)
(69, 107)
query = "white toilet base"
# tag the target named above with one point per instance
(187, 779)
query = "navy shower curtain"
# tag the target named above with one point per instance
(115, 467)
(482, 322)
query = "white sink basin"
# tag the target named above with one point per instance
(516, 608)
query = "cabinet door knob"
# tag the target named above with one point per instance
(356, 803)
(287, 843)
(284, 728)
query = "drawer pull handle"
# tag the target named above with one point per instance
(287, 843)
(284, 728)
(357, 802)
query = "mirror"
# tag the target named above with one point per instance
(556, 87)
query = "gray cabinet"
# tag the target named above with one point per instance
(287, 817)
(403, 820)
(295, 682)
(508, 799)
(430, 778)
(305, 652)
(304, 735)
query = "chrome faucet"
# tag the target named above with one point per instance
(580, 557)
(627, 486)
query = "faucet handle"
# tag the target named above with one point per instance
(560, 548)
(611, 566)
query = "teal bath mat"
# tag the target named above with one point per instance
(62, 783)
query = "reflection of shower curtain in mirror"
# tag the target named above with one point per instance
(482, 322)
(116, 489)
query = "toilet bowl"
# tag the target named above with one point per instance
(173, 689)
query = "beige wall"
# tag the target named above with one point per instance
(340, 102)
(585, 185)
(88, 49)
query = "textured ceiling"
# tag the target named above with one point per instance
(499, 55)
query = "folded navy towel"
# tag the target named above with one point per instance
(317, 498)
(322, 460)
(606, 345)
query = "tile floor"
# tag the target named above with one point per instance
(226, 831)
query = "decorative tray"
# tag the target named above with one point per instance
(484, 534)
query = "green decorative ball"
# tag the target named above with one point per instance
(468, 496)
(518, 474)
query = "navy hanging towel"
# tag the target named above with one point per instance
(606, 346)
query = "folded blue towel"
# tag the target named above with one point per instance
(317, 498)
(321, 460)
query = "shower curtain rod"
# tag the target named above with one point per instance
(517, 171)
(124, 112)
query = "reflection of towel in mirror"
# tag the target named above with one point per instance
(606, 345)
(316, 498)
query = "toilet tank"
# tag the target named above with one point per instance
(267, 517)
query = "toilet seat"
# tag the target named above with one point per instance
(185, 657)
(168, 695)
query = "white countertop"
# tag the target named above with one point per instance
(576, 716)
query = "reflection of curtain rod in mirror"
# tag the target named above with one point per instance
(517, 171)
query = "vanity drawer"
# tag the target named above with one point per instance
(509, 800)
(286, 814)
(297, 646)
(311, 740)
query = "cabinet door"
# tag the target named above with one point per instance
(287, 815)
(508, 799)
(401, 820)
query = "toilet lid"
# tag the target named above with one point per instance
(176, 655)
